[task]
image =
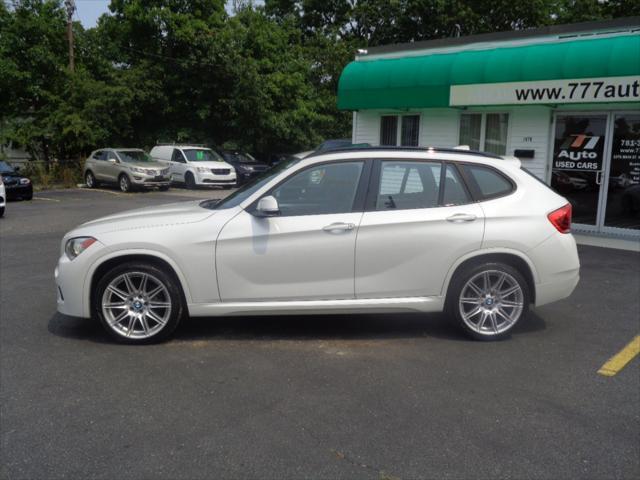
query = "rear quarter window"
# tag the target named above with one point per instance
(488, 183)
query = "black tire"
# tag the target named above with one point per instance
(175, 297)
(489, 300)
(1, 212)
(189, 181)
(164, 188)
(28, 196)
(124, 182)
(90, 179)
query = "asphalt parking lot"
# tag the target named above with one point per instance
(375, 396)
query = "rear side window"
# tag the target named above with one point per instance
(454, 191)
(408, 185)
(489, 182)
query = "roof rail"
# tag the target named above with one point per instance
(180, 144)
(457, 151)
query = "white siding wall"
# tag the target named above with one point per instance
(529, 129)
(366, 127)
(439, 128)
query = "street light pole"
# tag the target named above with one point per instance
(70, 6)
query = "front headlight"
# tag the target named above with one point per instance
(75, 246)
(202, 169)
(137, 170)
(25, 181)
(246, 168)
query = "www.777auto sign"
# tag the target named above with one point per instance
(581, 90)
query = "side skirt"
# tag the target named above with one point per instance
(319, 307)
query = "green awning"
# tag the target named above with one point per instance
(424, 81)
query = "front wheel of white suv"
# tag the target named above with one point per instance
(138, 303)
(488, 300)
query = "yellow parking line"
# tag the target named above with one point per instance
(620, 359)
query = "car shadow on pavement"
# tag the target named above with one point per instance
(368, 327)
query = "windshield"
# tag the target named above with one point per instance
(130, 156)
(245, 158)
(201, 155)
(240, 195)
(5, 168)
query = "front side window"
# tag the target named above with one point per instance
(319, 190)
(485, 132)
(111, 156)
(177, 156)
(100, 155)
(407, 185)
(399, 130)
(490, 183)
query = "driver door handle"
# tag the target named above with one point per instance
(461, 217)
(339, 227)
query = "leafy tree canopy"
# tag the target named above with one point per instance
(262, 78)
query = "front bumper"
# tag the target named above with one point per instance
(209, 178)
(150, 181)
(18, 191)
(72, 278)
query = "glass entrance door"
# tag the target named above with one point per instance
(579, 162)
(622, 205)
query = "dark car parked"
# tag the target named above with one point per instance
(16, 185)
(246, 166)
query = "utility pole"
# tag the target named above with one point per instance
(70, 6)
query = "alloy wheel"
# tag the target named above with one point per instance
(124, 183)
(491, 302)
(89, 180)
(136, 305)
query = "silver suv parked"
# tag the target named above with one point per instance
(128, 168)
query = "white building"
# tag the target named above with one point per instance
(564, 99)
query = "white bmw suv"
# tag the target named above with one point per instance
(353, 231)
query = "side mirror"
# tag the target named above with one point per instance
(268, 207)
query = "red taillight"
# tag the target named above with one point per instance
(561, 218)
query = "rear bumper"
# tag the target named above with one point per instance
(558, 268)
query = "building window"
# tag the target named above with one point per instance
(486, 132)
(404, 132)
(389, 130)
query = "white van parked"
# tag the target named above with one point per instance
(195, 165)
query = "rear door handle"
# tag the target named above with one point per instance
(339, 227)
(461, 217)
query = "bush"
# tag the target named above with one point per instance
(66, 174)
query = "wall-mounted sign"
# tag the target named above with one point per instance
(579, 90)
(625, 149)
(579, 142)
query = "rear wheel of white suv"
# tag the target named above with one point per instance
(488, 300)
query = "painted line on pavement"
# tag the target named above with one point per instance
(621, 359)
(46, 198)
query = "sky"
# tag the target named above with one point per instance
(88, 11)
